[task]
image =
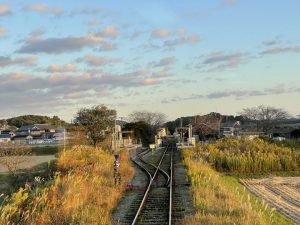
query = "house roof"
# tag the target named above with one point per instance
(35, 126)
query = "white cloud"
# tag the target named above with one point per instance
(161, 33)
(61, 68)
(94, 60)
(25, 61)
(43, 8)
(188, 39)
(4, 10)
(109, 31)
(2, 31)
(59, 45)
(167, 61)
(150, 81)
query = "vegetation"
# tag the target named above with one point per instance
(154, 119)
(220, 199)
(33, 119)
(249, 156)
(289, 143)
(142, 131)
(13, 155)
(45, 150)
(97, 122)
(81, 192)
(266, 117)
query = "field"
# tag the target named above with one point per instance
(221, 199)
(249, 156)
(82, 191)
(282, 193)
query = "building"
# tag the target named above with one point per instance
(34, 134)
(5, 138)
(229, 129)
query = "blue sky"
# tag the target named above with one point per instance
(180, 58)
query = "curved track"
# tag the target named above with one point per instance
(156, 204)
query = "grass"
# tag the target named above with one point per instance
(10, 183)
(289, 143)
(81, 192)
(45, 150)
(221, 199)
(249, 156)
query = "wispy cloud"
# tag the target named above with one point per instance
(167, 61)
(4, 10)
(43, 8)
(280, 50)
(37, 32)
(22, 61)
(189, 39)
(237, 94)
(161, 74)
(107, 46)
(109, 31)
(61, 68)
(2, 31)
(219, 61)
(161, 33)
(59, 45)
(94, 22)
(94, 60)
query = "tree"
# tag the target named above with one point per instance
(154, 119)
(266, 117)
(97, 121)
(142, 131)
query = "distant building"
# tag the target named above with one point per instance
(5, 138)
(35, 134)
(230, 129)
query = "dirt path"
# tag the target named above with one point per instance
(283, 193)
(30, 161)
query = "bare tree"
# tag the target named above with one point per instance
(154, 119)
(266, 117)
(12, 156)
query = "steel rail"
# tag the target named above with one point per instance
(148, 189)
(171, 187)
(161, 170)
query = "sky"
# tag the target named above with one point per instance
(177, 57)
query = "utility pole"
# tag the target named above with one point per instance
(181, 138)
(64, 139)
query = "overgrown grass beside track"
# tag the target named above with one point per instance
(81, 192)
(221, 199)
(249, 156)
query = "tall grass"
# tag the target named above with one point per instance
(249, 156)
(220, 199)
(82, 192)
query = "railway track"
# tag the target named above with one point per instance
(155, 204)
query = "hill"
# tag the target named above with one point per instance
(32, 119)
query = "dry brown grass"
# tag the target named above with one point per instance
(83, 192)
